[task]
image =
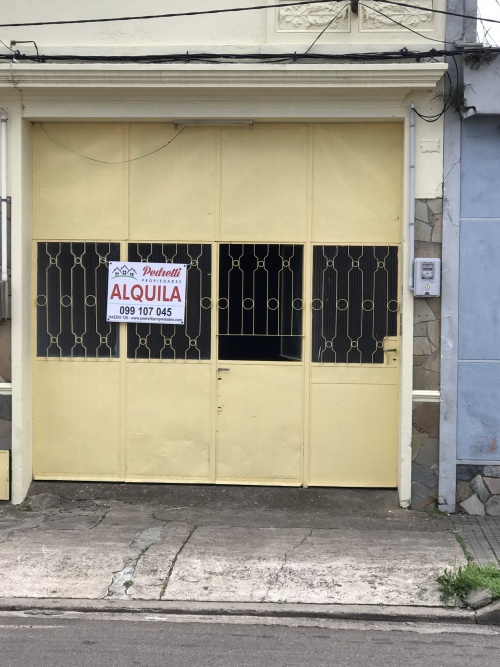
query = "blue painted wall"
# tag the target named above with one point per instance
(481, 167)
(478, 427)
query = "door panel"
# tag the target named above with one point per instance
(357, 185)
(174, 191)
(353, 436)
(70, 161)
(259, 426)
(354, 374)
(168, 422)
(264, 195)
(260, 393)
(76, 414)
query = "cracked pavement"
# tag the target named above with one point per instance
(222, 544)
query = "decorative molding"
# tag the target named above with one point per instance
(382, 16)
(314, 18)
(61, 77)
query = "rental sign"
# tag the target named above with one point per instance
(146, 293)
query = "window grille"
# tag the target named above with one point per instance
(190, 341)
(354, 302)
(260, 301)
(72, 284)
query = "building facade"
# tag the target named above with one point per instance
(470, 456)
(288, 185)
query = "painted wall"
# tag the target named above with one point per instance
(243, 31)
(479, 293)
(478, 421)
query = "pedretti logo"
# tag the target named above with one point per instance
(124, 272)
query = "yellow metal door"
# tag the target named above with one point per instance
(354, 373)
(260, 372)
(249, 397)
(169, 379)
(259, 423)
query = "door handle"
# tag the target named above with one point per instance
(220, 370)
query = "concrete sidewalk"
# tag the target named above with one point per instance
(222, 544)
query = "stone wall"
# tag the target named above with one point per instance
(478, 489)
(426, 361)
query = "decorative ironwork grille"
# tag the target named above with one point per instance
(72, 284)
(260, 295)
(354, 302)
(175, 341)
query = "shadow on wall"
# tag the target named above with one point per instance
(5, 376)
(5, 351)
(425, 455)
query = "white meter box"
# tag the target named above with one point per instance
(427, 276)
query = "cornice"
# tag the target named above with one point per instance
(188, 76)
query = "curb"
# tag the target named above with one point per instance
(331, 611)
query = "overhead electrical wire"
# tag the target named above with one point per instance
(213, 58)
(205, 12)
(327, 26)
(367, 56)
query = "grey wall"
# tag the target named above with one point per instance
(478, 419)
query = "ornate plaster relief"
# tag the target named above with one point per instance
(382, 16)
(314, 18)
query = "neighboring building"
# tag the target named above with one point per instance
(286, 185)
(470, 417)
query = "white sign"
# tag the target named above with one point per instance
(146, 293)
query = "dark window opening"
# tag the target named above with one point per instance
(260, 302)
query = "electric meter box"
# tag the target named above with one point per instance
(427, 277)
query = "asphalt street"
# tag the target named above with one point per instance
(80, 640)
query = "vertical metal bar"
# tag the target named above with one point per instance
(214, 359)
(123, 360)
(3, 158)
(411, 235)
(307, 287)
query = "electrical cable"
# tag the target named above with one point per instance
(367, 56)
(326, 27)
(231, 10)
(7, 47)
(92, 159)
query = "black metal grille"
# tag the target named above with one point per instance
(72, 284)
(354, 302)
(175, 341)
(260, 301)
(260, 290)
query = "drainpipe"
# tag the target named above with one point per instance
(3, 192)
(411, 239)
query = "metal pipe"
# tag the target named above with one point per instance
(411, 236)
(3, 188)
